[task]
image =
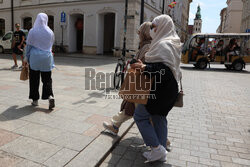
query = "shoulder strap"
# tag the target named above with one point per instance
(181, 84)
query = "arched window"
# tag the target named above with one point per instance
(2, 27)
(51, 22)
(27, 23)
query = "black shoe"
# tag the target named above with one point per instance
(51, 102)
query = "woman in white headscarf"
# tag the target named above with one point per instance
(40, 59)
(162, 62)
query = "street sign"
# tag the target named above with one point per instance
(247, 30)
(63, 17)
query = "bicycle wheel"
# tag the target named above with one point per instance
(118, 76)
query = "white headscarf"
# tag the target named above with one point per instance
(41, 36)
(165, 46)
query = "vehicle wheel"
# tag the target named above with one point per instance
(228, 66)
(202, 64)
(238, 65)
(118, 76)
(1, 49)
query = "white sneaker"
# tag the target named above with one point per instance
(110, 128)
(34, 103)
(147, 153)
(156, 154)
(14, 67)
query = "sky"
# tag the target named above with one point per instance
(210, 13)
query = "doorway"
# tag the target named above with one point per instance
(76, 30)
(51, 22)
(106, 33)
(27, 23)
(109, 33)
(2, 27)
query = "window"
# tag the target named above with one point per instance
(1, 1)
(7, 36)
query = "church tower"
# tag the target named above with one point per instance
(197, 21)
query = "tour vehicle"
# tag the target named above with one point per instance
(200, 50)
(6, 41)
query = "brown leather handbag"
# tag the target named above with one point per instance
(24, 73)
(136, 87)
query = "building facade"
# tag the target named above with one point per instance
(245, 22)
(197, 21)
(233, 16)
(190, 30)
(223, 17)
(180, 16)
(91, 26)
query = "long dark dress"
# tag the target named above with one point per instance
(165, 91)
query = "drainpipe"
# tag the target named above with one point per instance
(125, 29)
(142, 12)
(163, 7)
(12, 16)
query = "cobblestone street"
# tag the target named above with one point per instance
(212, 129)
(69, 135)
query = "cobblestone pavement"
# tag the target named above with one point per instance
(212, 129)
(69, 135)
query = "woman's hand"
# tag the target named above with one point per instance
(139, 65)
(25, 63)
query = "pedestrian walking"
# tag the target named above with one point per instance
(17, 46)
(127, 108)
(162, 62)
(39, 56)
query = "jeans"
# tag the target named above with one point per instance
(35, 82)
(153, 135)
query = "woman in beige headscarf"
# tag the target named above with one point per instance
(162, 62)
(127, 108)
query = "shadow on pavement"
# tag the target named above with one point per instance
(79, 60)
(6, 69)
(215, 70)
(131, 149)
(90, 96)
(14, 112)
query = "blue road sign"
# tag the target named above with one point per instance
(247, 30)
(63, 17)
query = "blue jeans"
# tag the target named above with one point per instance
(153, 135)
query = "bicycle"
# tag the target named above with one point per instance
(121, 69)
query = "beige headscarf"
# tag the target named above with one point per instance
(145, 40)
(166, 45)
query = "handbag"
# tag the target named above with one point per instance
(24, 73)
(136, 87)
(179, 99)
